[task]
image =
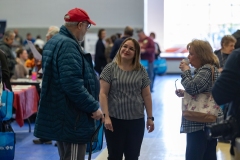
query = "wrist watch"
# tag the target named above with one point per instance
(152, 118)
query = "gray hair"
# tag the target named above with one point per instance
(8, 34)
(53, 30)
(69, 24)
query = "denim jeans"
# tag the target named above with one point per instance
(199, 147)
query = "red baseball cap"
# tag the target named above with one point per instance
(78, 15)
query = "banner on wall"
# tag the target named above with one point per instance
(90, 43)
(3, 25)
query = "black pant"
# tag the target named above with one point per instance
(199, 148)
(126, 138)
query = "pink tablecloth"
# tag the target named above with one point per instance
(25, 102)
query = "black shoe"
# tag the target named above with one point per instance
(55, 144)
(42, 141)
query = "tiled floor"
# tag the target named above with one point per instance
(165, 143)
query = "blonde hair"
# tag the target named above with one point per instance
(136, 60)
(227, 39)
(204, 52)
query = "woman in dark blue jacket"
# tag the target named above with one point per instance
(100, 59)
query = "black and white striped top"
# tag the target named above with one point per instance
(125, 94)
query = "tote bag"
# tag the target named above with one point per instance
(6, 105)
(200, 107)
(160, 66)
(7, 142)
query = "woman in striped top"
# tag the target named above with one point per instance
(201, 57)
(125, 91)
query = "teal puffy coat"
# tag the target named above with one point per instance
(70, 91)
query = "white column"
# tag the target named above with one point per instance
(154, 19)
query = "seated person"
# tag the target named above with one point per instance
(20, 70)
(30, 62)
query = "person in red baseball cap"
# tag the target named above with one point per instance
(69, 105)
(78, 15)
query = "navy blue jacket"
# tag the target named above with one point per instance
(69, 93)
(100, 59)
(116, 47)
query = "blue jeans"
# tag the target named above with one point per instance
(199, 147)
(150, 72)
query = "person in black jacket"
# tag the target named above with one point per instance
(6, 46)
(227, 90)
(100, 59)
(5, 70)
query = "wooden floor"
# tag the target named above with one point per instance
(165, 143)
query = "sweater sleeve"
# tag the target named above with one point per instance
(199, 83)
(70, 67)
(227, 85)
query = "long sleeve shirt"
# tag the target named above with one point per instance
(199, 83)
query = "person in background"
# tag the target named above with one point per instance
(125, 91)
(18, 41)
(227, 46)
(113, 38)
(157, 47)
(128, 32)
(157, 51)
(30, 62)
(21, 70)
(119, 35)
(226, 90)
(202, 58)
(147, 53)
(100, 59)
(39, 42)
(68, 104)
(6, 46)
(25, 43)
(52, 30)
(108, 49)
(28, 38)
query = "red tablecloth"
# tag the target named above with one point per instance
(25, 102)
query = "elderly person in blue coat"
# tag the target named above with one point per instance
(69, 99)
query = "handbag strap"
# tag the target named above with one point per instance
(212, 68)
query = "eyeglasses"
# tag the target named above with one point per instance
(176, 84)
(88, 24)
